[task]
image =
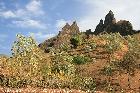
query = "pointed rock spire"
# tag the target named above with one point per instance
(67, 26)
(109, 19)
(74, 28)
(110, 12)
(99, 27)
(101, 21)
(74, 24)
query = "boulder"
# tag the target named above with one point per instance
(124, 27)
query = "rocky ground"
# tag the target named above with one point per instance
(37, 90)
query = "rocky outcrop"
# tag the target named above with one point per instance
(63, 37)
(107, 26)
(69, 29)
(110, 25)
(124, 27)
(109, 19)
(99, 27)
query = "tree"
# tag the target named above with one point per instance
(28, 59)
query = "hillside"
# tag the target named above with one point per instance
(105, 60)
(109, 25)
(106, 45)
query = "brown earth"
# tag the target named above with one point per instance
(37, 90)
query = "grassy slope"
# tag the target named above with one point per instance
(101, 58)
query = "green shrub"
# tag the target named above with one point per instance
(108, 70)
(76, 40)
(80, 60)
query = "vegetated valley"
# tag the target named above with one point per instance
(106, 60)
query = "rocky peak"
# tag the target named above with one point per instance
(111, 26)
(74, 23)
(99, 27)
(70, 29)
(64, 36)
(65, 30)
(74, 28)
(101, 21)
(66, 27)
(109, 19)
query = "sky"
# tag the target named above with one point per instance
(43, 19)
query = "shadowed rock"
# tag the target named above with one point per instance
(109, 19)
(110, 25)
(99, 27)
(124, 27)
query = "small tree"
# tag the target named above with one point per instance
(27, 58)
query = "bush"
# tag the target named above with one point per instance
(61, 66)
(80, 60)
(84, 83)
(114, 41)
(133, 44)
(64, 47)
(76, 40)
(28, 59)
(108, 70)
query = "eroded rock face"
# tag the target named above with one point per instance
(99, 27)
(124, 27)
(111, 26)
(74, 29)
(70, 29)
(108, 25)
(109, 19)
(62, 38)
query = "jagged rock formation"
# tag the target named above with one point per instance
(109, 19)
(62, 38)
(111, 26)
(71, 30)
(99, 27)
(124, 27)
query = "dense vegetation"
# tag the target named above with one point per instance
(60, 68)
